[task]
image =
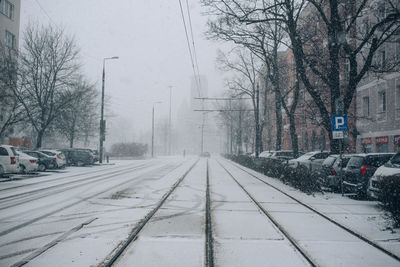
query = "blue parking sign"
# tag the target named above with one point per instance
(339, 123)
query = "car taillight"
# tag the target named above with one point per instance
(58, 156)
(32, 160)
(364, 168)
(13, 161)
(332, 171)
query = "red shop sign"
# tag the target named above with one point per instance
(381, 140)
(367, 141)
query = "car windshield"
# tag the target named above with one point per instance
(48, 153)
(329, 161)
(355, 162)
(306, 156)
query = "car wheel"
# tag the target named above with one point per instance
(1, 171)
(42, 167)
(22, 169)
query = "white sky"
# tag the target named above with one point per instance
(149, 38)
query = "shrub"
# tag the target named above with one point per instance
(391, 196)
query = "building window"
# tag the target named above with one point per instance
(10, 40)
(365, 106)
(382, 101)
(7, 9)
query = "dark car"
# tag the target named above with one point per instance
(78, 157)
(205, 155)
(44, 161)
(329, 173)
(359, 170)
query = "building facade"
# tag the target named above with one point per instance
(9, 36)
(9, 22)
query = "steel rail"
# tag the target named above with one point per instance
(275, 222)
(208, 230)
(38, 218)
(347, 229)
(61, 188)
(64, 177)
(135, 231)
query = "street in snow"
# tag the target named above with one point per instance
(154, 213)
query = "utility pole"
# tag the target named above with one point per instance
(102, 122)
(169, 122)
(152, 130)
(152, 133)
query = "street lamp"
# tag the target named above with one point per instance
(102, 124)
(152, 130)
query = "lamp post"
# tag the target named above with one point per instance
(169, 122)
(102, 124)
(152, 129)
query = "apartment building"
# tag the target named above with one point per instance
(9, 35)
(9, 22)
(378, 94)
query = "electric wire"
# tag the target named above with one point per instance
(193, 43)
(189, 48)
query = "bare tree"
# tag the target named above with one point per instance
(10, 109)
(246, 67)
(347, 31)
(47, 72)
(78, 118)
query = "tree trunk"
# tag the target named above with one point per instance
(39, 139)
(71, 140)
(293, 135)
(278, 114)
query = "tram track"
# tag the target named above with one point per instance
(91, 173)
(25, 197)
(115, 255)
(85, 199)
(284, 232)
(313, 210)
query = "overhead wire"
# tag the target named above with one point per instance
(55, 24)
(193, 43)
(189, 48)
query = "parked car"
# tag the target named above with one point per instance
(205, 154)
(329, 173)
(390, 169)
(27, 163)
(78, 157)
(359, 170)
(9, 160)
(44, 161)
(265, 154)
(309, 162)
(58, 155)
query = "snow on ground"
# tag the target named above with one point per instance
(364, 217)
(78, 216)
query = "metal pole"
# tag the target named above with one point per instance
(341, 166)
(152, 134)
(102, 116)
(169, 123)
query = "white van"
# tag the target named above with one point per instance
(9, 160)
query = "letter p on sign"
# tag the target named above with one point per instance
(339, 123)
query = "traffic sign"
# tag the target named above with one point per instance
(339, 123)
(337, 135)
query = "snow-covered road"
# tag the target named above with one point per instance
(86, 216)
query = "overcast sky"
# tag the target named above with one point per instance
(149, 38)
